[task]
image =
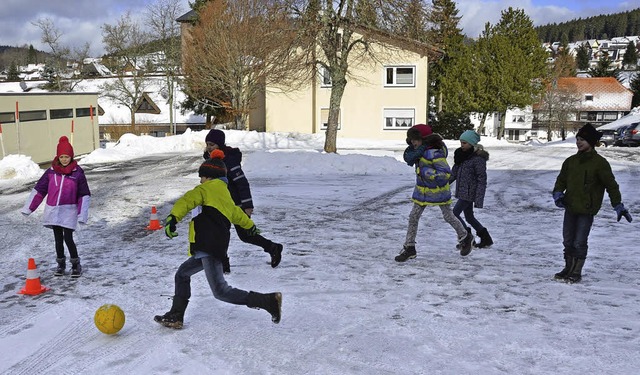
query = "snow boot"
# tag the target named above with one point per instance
(459, 245)
(271, 302)
(408, 252)
(175, 317)
(275, 250)
(485, 239)
(76, 268)
(568, 264)
(575, 275)
(62, 264)
(466, 244)
(226, 266)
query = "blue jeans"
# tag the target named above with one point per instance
(467, 207)
(575, 233)
(213, 270)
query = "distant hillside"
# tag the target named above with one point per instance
(597, 27)
(20, 56)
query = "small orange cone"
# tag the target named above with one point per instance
(154, 223)
(33, 286)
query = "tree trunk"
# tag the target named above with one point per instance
(483, 119)
(502, 123)
(330, 142)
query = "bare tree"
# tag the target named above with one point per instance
(127, 44)
(337, 35)
(61, 77)
(161, 19)
(558, 108)
(236, 49)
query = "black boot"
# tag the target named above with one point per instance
(62, 265)
(76, 268)
(466, 244)
(575, 275)
(271, 302)
(175, 317)
(275, 250)
(568, 264)
(459, 245)
(408, 252)
(485, 239)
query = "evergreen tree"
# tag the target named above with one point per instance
(450, 77)
(12, 74)
(514, 64)
(604, 68)
(32, 56)
(630, 59)
(582, 57)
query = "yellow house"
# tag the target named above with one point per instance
(381, 101)
(383, 97)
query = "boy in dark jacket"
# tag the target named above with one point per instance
(213, 213)
(579, 189)
(241, 194)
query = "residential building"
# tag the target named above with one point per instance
(383, 97)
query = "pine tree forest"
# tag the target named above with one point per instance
(597, 27)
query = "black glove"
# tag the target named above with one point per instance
(170, 226)
(558, 199)
(621, 211)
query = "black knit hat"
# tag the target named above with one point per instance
(589, 134)
(213, 167)
(216, 136)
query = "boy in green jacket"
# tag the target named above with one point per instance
(579, 189)
(213, 211)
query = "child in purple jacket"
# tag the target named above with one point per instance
(67, 194)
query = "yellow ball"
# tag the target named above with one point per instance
(109, 319)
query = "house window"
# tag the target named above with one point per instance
(403, 76)
(325, 77)
(60, 113)
(7, 117)
(518, 118)
(25, 116)
(513, 134)
(588, 97)
(324, 119)
(84, 112)
(610, 116)
(399, 118)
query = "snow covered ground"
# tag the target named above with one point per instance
(348, 307)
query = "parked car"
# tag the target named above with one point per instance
(632, 135)
(608, 137)
(619, 135)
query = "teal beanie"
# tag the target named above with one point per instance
(470, 137)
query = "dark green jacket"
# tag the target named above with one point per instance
(583, 179)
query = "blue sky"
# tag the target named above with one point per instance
(80, 21)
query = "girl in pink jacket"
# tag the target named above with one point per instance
(65, 188)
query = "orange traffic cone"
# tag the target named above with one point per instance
(33, 286)
(154, 223)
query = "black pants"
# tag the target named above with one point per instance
(257, 240)
(64, 234)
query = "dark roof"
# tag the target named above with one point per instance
(190, 16)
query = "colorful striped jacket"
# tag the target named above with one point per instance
(432, 178)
